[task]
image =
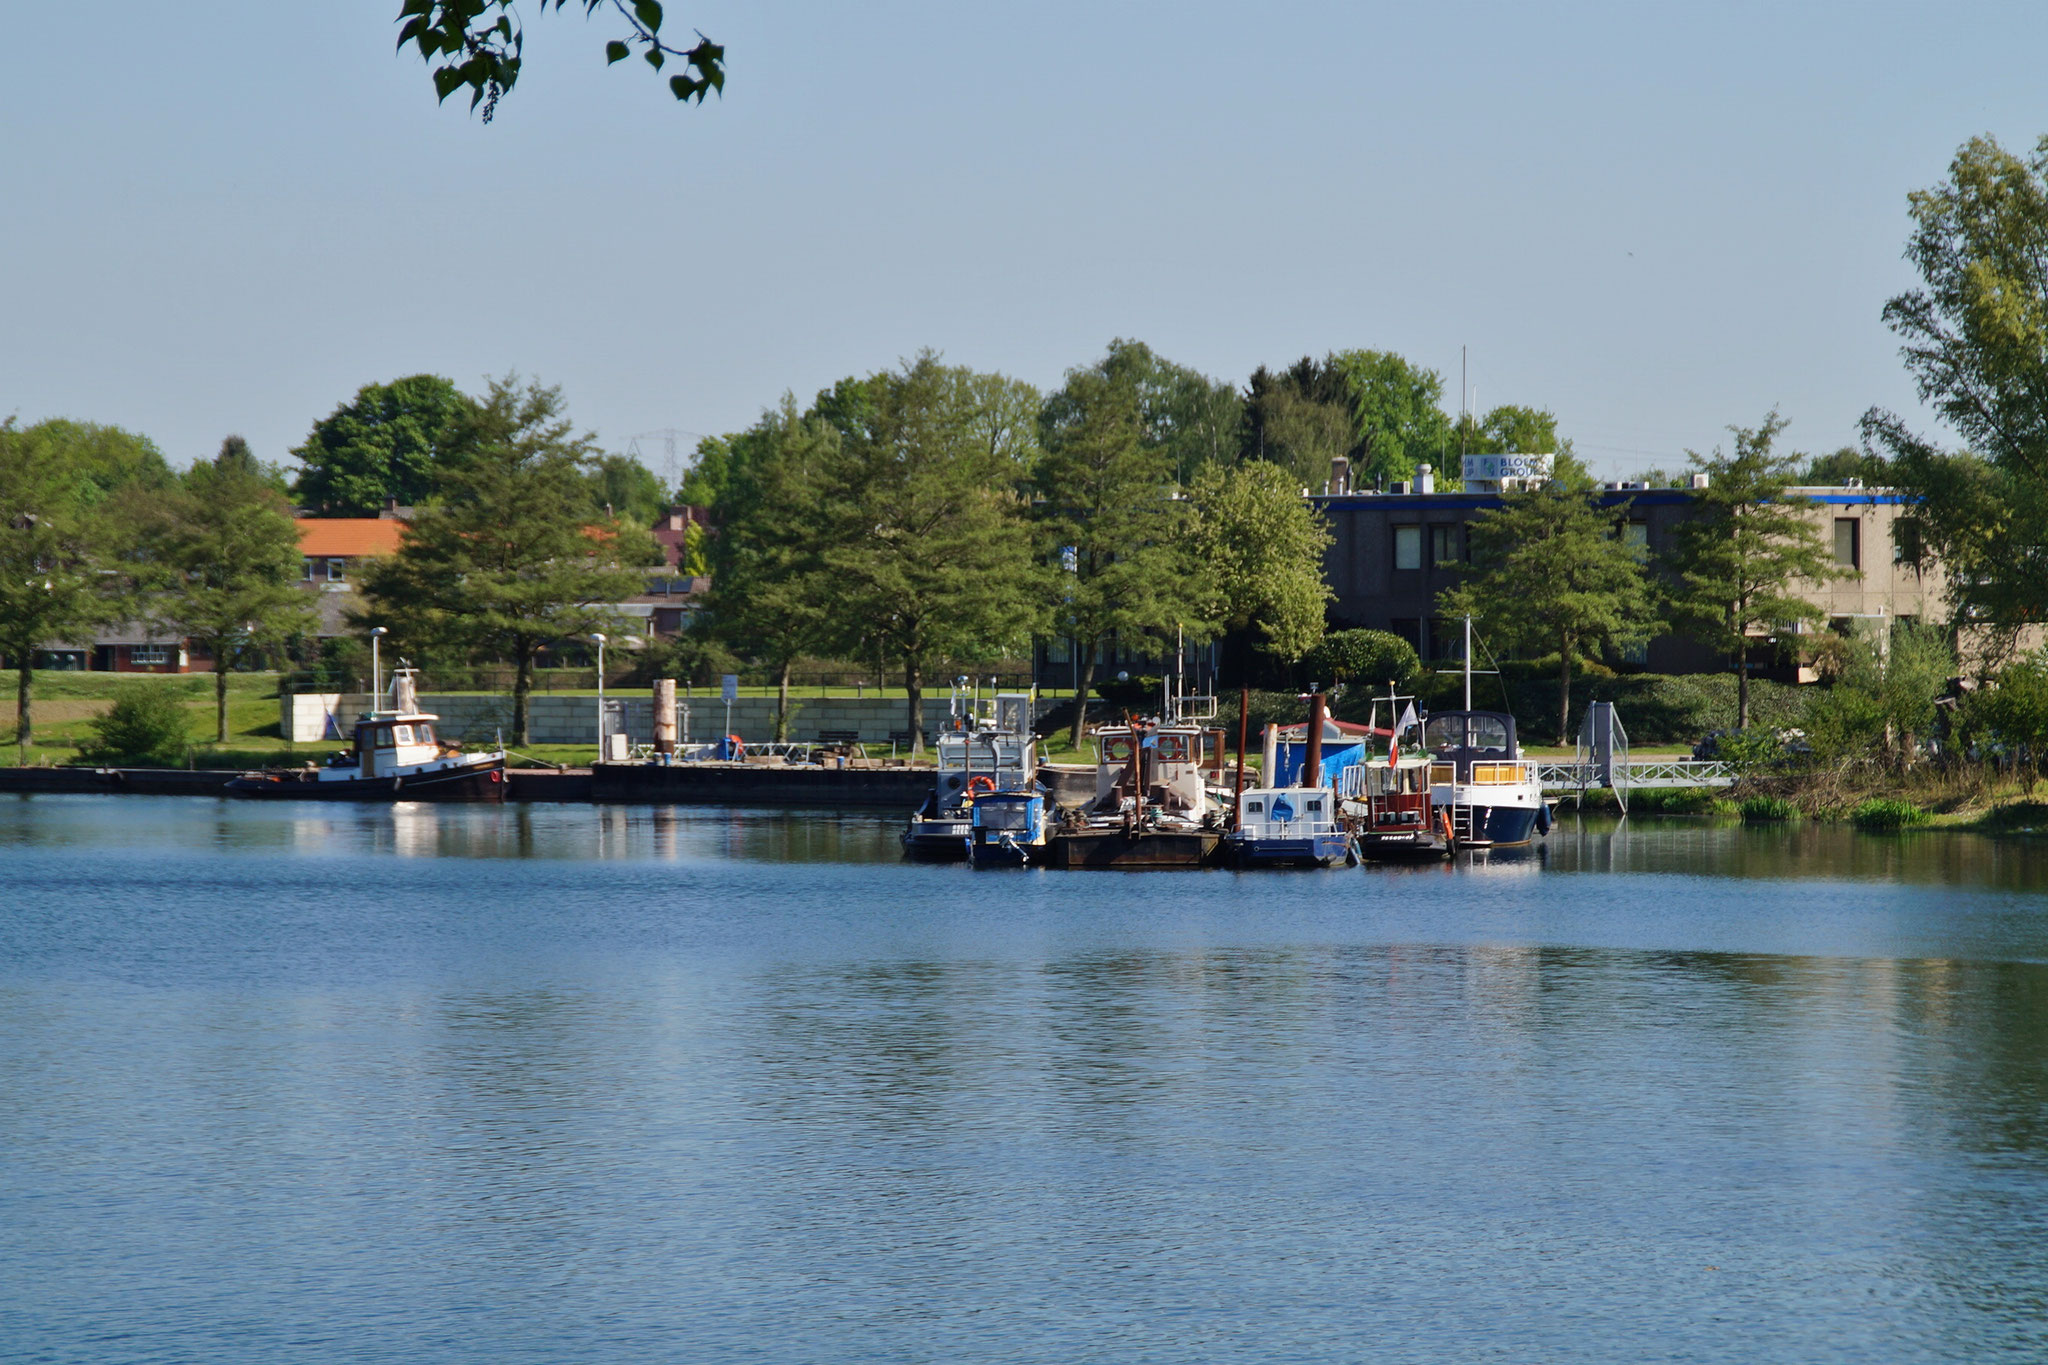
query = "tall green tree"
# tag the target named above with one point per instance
(506, 557)
(925, 541)
(1741, 558)
(1108, 519)
(389, 441)
(771, 595)
(1255, 552)
(1976, 342)
(621, 486)
(53, 550)
(227, 551)
(1193, 418)
(1397, 413)
(1551, 571)
(105, 459)
(1298, 419)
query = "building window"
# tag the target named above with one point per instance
(1906, 548)
(1409, 628)
(1407, 547)
(149, 656)
(1443, 544)
(1847, 531)
(1636, 535)
(337, 570)
(306, 570)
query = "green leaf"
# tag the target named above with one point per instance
(684, 87)
(654, 57)
(649, 13)
(446, 80)
(615, 52)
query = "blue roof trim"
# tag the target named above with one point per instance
(1642, 497)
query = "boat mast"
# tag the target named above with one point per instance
(376, 678)
(1468, 661)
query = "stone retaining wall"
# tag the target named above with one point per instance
(477, 718)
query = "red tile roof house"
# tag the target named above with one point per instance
(331, 551)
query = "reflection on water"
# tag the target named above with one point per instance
(629, 1083)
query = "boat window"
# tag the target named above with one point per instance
(1486, 732)
(1444, 732)
(1253, 807)
(423, 733)
(383, 739)
(1315, 806)
(1173, 749)
(403, 733)
(1116, 750)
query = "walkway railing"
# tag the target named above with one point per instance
(1641, 772)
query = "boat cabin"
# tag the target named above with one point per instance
(1158, 765)
(997, 754)
(1286, 812)
(1475, 748)
(387, 741)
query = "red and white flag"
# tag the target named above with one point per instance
(1401, 727)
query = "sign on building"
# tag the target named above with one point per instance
(1493, 468)
(729, 683)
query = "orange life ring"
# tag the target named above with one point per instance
(979, 785)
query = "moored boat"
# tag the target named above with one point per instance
(1009, 829)
(1287, 827)
(397, 757)
(977, 756)
(1152, 807)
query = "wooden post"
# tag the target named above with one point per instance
(1312, 767)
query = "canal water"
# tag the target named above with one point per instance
(291, 1083)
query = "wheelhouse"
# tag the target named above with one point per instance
(1474, 748)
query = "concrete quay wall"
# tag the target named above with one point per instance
(477, 718)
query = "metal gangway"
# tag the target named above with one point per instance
(1601, 760)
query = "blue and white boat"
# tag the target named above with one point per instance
(1479, 780)
(1287, 827)
(1008, 829)
(977, 756)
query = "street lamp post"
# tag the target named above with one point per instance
(600, 693)
(376, 676)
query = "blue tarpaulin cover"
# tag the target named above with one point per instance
(1289, 759)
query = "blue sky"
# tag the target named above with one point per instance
(1655, 220)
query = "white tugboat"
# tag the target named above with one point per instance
(397, 757)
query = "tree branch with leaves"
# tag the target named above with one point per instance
(480, 44)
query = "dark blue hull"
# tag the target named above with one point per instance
(1315, 850)
(1013, 854)
(1502, 826)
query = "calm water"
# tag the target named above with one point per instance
(573, 1083)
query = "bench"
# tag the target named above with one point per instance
(848, 740)
(898, 739)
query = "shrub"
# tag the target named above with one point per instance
(1760, 810)
(1879, 813)
(1368, 658)
(1673, 801)
(146, 726)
